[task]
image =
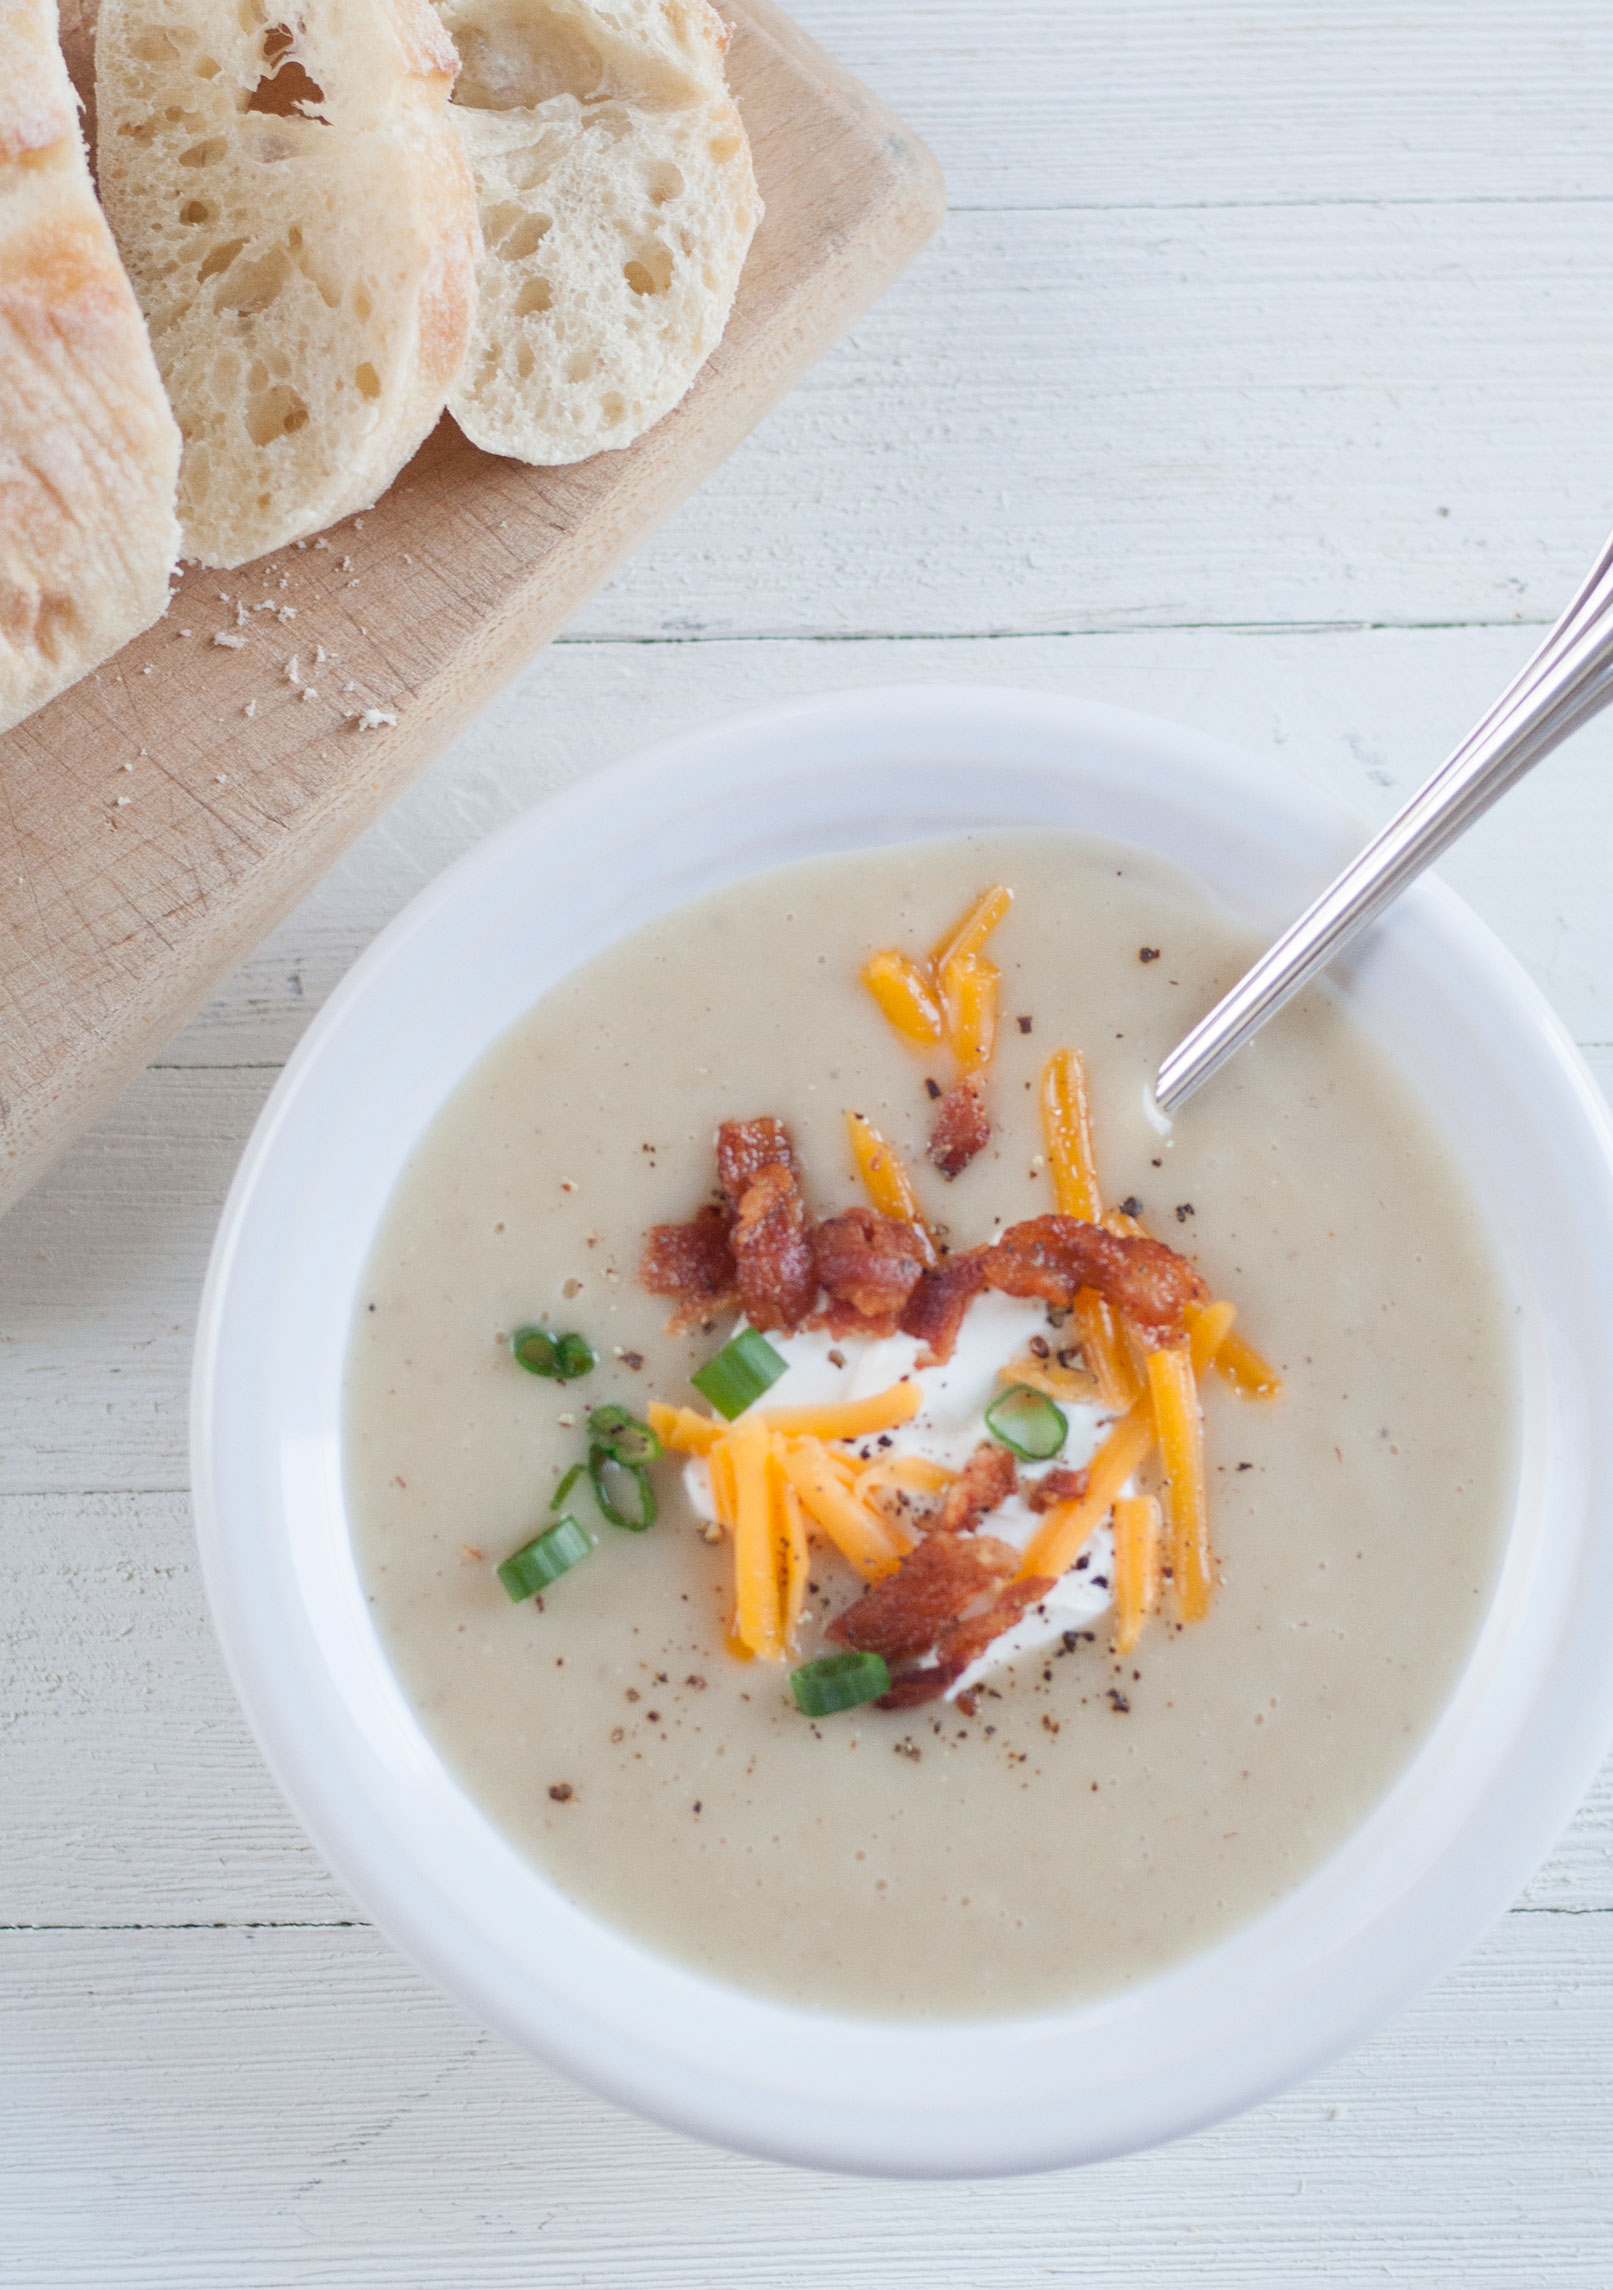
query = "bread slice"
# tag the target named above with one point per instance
(88, 448)
(299, 221)
(617, 204)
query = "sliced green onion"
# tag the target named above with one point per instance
(542, 1353)
(839, 1682)
(737, 1375)
(566, 1485)
(545, 1559)
(1027, 1423)
(609, 1477)
(621, 1436)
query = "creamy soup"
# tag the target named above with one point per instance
(1096, 1818)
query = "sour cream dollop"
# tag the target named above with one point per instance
(949, 1426)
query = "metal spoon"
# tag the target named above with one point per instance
(1567, 681)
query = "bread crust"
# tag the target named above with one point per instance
(299, 222)
(618, 203)
(88, 449)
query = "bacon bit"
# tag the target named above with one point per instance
(964, 1643)
(1057, 1486)
(1055, 1257)
(906, 1613)
(937, 1305)
(869, 1264)
(694, 1263)
(961, 1129)
(746, 1148)
(987, 1479)
(772, 1245)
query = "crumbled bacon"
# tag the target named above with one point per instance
(937, 1305)
(906, 1613)
(964, 1642)
(746, 1148)
(1057, 1486)
(1055, 1257)
(693, 1263)
(869, 1265)
(987, 1479)
(772, 1245)
(961, 1129)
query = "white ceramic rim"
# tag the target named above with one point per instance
(1408, 1893)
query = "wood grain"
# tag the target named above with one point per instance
(297, 2110)
(256, 762)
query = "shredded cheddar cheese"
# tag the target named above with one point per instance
(1053, 1548)
(861, 1534)
(844, 1419)
(756, 1573)
(1137, 1529)
(969, 1010)
(1181, 1444)
(906, 995)
(1076, 1385)
(884, 1178)
(789, 1528)
(951, 995)
(1248, 1374)
(970, 934)
(682, 1430)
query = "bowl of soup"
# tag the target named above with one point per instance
(818, 1563)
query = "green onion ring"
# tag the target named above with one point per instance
(601, 1460)
(1027, 1423)
(839, 1682)
(621, 1436)
(545, 1559)
(734, 1378)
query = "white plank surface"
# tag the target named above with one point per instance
(1238, 296)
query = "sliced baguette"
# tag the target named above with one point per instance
(618, 203)
(299, 221)
(88, 448)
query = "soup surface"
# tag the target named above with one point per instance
(1095, 1819)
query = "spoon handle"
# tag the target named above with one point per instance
(1566, 682)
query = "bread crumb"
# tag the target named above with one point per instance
(223, 596)
(228, 643)
(321, 543)
(222, 777)
(346, 565)
(371, 719)
(286, 612)
(126, 765)
(353, 584)
(309, 693)
(250, 709)
(124, 801)
(184, 632)
(292, 670)
(146, 670)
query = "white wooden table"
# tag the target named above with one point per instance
(1263, 378)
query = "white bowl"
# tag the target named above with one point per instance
(1440, 1857)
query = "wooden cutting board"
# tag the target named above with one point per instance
(159, 818)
